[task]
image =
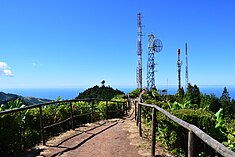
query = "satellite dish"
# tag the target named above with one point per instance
(102, 82)
(158, 45)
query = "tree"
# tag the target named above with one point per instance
(225, 96)
(189, 92)
(232, 103)
(226, 104)
(135, 93)
(180, 96)
(210, 102)
(193, 94)
(196, 95)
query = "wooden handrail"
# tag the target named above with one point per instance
(51, 103)
(42, 127)
(217, 146)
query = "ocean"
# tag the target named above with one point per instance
(71, 93)
(52, 93)
(47, 93)
(217, 90)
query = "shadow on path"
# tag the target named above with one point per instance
(81, 143)
(80, 132)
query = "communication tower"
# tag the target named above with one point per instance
(139, 52)
(155, 45)
(186, 71)
(179, 63)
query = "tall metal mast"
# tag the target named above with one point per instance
(155, 45)
(139, 53)
(186, 71)
(151, 64)
(179, 63)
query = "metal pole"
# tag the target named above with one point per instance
(42, 126)
(153, 132)
(71, 115)
(179, 72)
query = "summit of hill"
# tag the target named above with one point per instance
(103, 92)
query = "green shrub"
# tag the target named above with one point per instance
(175, 137)
(135, 93)
(21, 130)
(18, 131)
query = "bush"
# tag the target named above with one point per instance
(175, 137)
(135, 93)
(18, 132)
(21, 130)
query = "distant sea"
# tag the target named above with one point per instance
(217, 90)
(71, 93)
(52, 93)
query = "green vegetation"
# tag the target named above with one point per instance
(19, 102)
(6, 97)
(20, 131)
(215, 116)
(135, 93)
(102, 92)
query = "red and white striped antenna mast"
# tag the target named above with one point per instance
(179, 64)
(186, 71)
(139, 53)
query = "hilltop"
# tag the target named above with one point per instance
(103, 92)
(8, 97)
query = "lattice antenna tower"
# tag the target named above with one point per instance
(179, 64)
(186, 70)
(155, 45)
(139, 52)
(151, 64)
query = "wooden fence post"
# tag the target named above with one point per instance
(140, 129)
(137, 116)
(117, 109)
(127, 106)
(42, 126)
(107, 112)
(135, 109)
(92, 110)
(71, 115)
(123, 108)
(120, 112)
(153, 132)
(190, 143)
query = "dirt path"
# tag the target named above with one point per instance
(108, 138)
(100, 139)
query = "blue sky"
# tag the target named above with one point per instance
(75, 43)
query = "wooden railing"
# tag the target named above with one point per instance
(192, 130)
(121, 106)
